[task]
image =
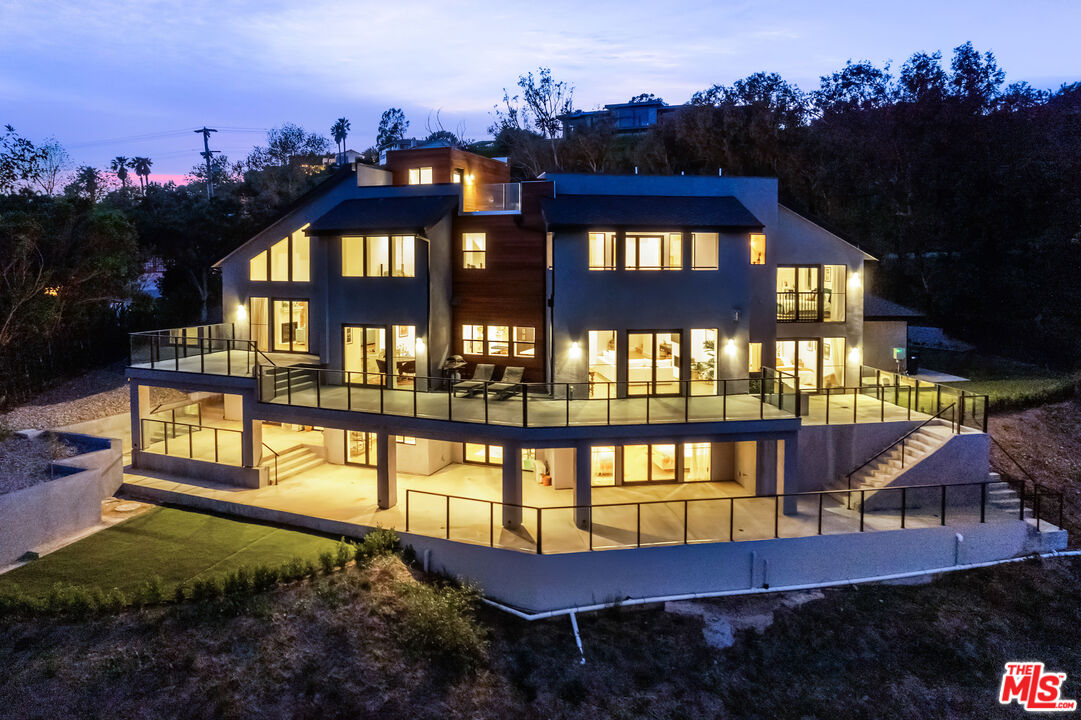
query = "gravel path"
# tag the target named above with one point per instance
(97, 394)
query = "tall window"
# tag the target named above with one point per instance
(290, 325)
(420, 176)
(474, 251)
(602, 251)
(704, 251)
(473, 339)
(602, 465)
(525, 341)
(288, 259)
(602, 363)
(378, 256)
(703, 361)
(758, 249)
(833, 293)
(833, 362)
(798, 296)
(754, 357)
(654, 251)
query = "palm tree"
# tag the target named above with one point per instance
(141, 166)
(340, 130)
(120, 167)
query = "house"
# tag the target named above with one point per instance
(517, 376)
(620, 118)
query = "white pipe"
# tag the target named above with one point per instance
(759, 591)
(577, 636)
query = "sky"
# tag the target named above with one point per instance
(122, 77)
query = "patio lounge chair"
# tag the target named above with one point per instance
(511, 384)
(482, 375)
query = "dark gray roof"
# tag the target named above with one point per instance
(386, 214)
(648, 211)
(876, 308)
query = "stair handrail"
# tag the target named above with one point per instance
(259, 353)
(275, 462)
(1038, 489)
(954, 427)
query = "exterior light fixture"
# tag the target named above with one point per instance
(854, 355)
(470, 178)
(420, 346)
(854, 281)
(241, 312)
(730, 348)
(575, 352)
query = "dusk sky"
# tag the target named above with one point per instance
(119, 77)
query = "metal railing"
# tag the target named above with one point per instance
(922, 395)
(206, 349)
(799, 306)
(525, 404)
(577, 528)
(274, 480)
(1038, 490)
(902, 441)
(166, 437)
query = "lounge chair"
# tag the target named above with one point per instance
(482, 375)
(511, 384)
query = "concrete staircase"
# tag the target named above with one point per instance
(291, 462)
(888, 468)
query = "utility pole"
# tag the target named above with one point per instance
(208, 154)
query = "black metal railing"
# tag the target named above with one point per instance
(576, 528)
(902, 442)
(205, 349)
(799, 306)
(1039, 491)
(197, 442)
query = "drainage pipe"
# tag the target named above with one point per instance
(572, 611)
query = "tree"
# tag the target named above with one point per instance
(543, 100)
(286, 144)
(340, 130)
(88, 183)
(922, 78)
(141, 166)
(120, 167)
(20, 160)
(857, 86)
(392, 127)
(974, 79)
(55, 162)
(645, 98)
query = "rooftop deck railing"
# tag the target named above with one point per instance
(605, 526)
(492, 198)
(205, 349)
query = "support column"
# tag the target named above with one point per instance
(766, 467)
(251, 434)
(788, 469)
(583, 489)
(512, 485)
(139, 401)
(386, 469)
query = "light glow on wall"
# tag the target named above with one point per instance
(730, 348)
(420, 346)
(575, 352)
(854, 281)
(241, 313)
(854, 355)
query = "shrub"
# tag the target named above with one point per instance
(326, 559)
(71, 601)
(440, 624)
(207, 589)
(150, 593)
(264, 578)
(381, 541)
(343, 554)
(179, 594)
(237, 582)
(292, 570)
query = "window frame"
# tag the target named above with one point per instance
(516, 343)
(608, 250)
(751, 248)
(393, 246)
(818, 291)
(290, 269)
(420, 175)
(667, 237)
(482, 253)
(716, 264)
(467, 342)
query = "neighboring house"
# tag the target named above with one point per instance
(348, 158)
(655, 361)
(621, 118)
(885, 327)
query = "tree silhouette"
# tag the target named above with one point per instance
(120, 167)
(340, 130)
(141, 166)
(392, 127)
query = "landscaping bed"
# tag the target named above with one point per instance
(25, 461)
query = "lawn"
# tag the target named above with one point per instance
(1008, 383)
(176, 545)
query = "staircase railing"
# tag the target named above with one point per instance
(955, 428)
(275, 452)
(1038, 490)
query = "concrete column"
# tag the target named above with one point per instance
(139, 400)
(386, 469)
(512, 485)
(251, 438)
(583, 490)
(766, 467)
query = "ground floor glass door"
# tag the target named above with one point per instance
(653, 363)
(360, 448)
(799, 358)
(365, 354)
(290, 325)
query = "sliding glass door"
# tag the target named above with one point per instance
(365, 354)
(653, 362)
(290, 325)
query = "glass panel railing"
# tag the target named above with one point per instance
(195, 442)
(206, 349)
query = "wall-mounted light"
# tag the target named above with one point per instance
(575, 351)
(854, 281)
(420, 346)
(470, 178)
(854, 355)
(730, 348)
(241, 313)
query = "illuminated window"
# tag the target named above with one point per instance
(833, 292)
(696, 462)
(300, 253)
(754, 357)
(525, 341)
(403, 253)
(473, 251)
(279, 261)
(833, 362)
(457, 176)
(498, 340)
(602, 251)
(704, 251)
(657, 251)
(377, 258)
(602, 465)
(404, 440)
(257, 267)
(758, 249)
(420, 176)
(352, 256)
(473, 339)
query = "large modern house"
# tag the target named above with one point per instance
(571, 390)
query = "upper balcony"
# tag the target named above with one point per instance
(206, 350)
(492, 198)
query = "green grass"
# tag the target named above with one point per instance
(1009, 384)
(175, 545)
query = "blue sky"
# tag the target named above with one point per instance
(110, 77)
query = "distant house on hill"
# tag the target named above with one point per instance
(629, 117)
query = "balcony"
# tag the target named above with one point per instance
(492, 199)
(810, 306)
(204, 349)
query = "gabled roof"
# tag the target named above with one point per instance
(877, 308)
(388, 214)
(648, 211)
